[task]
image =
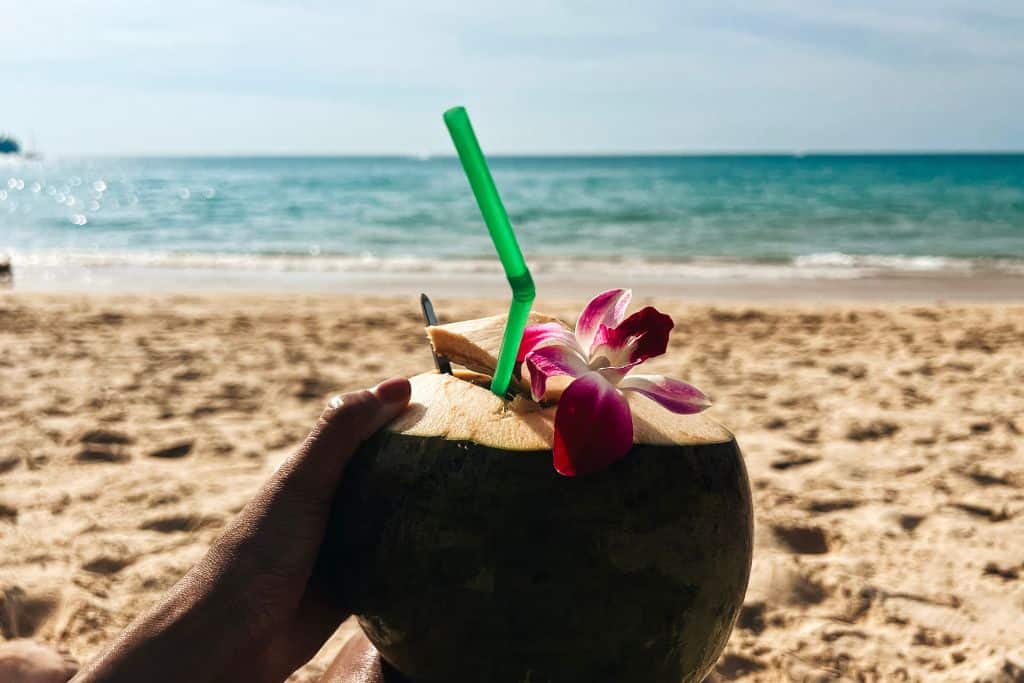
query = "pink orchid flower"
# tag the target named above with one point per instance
(593, 424)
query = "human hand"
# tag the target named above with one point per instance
(359, 662)
(27, 661)
(255, 608)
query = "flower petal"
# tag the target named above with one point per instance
(549, 361)
(615, 373)
(593, 426)
(544, 334)
(607, 308)
(641, 336)
(677, 396)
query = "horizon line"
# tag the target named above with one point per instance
(550, 155)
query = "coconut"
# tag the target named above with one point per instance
(466, 557)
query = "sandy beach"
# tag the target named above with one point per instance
(700, 282)
(884, 442)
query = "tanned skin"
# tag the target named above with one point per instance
(257, 607)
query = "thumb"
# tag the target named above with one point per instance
(349, 419)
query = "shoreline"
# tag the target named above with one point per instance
(700, 285)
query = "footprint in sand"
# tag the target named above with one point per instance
(176, 449)
(187, 375)
(8, 513)
(774, 422)
(909, 522)
(105, 436)
(853, 371)
(991, 514)
(1001, 669)
(732, 666)
(831, 504)
(313, 388)
(982, 427)
(752, 617)
(1004, 572)
(99, 453)
(791, 458)
(106, 564)
(24, 611)
(930, 637)
(777, 583)
(808, 436)
(168, 524)
(801, 539)
(8, 463)
(872, 430)
(856, 605)
(101, 445)
(984, 478)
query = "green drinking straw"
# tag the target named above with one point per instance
(523, 292)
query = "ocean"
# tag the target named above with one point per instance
(788, 216)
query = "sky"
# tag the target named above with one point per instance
(141, 77)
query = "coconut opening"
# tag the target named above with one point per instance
(460, 408)
(475, 344)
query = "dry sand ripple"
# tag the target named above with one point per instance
(884, 446)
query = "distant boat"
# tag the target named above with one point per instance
(9, 145)
(10, 148)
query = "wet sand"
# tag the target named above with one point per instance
(694, 282)
(885, 445)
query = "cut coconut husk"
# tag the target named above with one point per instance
(466, 557)
(475, 344)
(461, 408)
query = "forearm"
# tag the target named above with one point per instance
(251, 609)
(189, 635)
(209, 625)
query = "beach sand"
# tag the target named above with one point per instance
(884, 443)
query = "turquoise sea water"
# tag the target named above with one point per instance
(919, 212)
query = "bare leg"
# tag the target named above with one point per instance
(26, 661)
(359, 662)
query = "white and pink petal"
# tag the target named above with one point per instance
(673, 394)
(615, 373)
(546, 334)
(551, 361)
(607, 308)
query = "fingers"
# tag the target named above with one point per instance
(359, 662)
(388, 395)
(348, 421)
(354, 663)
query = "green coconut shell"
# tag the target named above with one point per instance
(466, 561)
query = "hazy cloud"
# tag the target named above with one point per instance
(191, 77)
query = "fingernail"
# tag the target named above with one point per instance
(333, 406)
(392, 390)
